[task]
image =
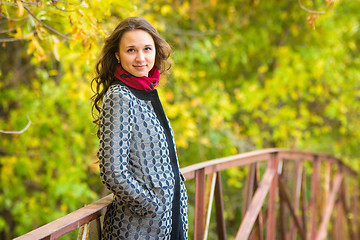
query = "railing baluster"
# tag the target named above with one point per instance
(343, 194)
(327, 182)
(199, 203)
(354, 209)
(219, 206)
(329, 207)
(256, 204)
(313, 199)
(209, 196)
(296, 192)
(286, 198)
(258, 228)
(338, 222)
(340, 210)
(271, 221)
(90, 231)
(249, 188)
(303, 202)
(259, 221)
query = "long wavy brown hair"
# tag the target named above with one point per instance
(105, 67)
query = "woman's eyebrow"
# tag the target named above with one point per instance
(146, 45)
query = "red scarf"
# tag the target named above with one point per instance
(139, 83)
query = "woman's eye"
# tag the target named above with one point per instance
(148, 49)
(130, 50)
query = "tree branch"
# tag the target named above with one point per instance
(18, 132)
(10, 18)
(8, 4)
(16, 5)
(7, 30)
(63, 10)
(45, 25)
(192, 32)
(10, 39)
(62, 2)
(308, 10)
(29, 3)
(10, 29)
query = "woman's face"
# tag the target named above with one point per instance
(137, 52)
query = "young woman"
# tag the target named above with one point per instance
(137, 154)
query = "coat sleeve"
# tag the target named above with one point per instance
(116, 121)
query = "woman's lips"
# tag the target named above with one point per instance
(140, 67)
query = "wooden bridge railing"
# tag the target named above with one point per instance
(308, 214)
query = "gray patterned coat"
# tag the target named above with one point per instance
(138, 164)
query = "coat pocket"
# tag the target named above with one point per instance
(162, 182)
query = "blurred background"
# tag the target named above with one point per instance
(246, 75)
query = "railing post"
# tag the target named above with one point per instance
(199, 204)
(282, 229)
(219, 207)
(313, 199)
(271, 221)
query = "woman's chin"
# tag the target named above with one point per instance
(140, 74)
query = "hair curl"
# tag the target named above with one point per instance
(106, 65)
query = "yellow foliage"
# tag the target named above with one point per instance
(7, 172)
(184, 9)
(238, 82)
(20, 9)
(263, 69)
(166, 9)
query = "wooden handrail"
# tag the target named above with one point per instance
(69, 222)
(256, 156)
(274, 157)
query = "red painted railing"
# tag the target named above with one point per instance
(309, 219)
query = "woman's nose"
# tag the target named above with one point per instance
(140, 56)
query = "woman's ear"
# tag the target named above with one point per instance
(117, 57)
